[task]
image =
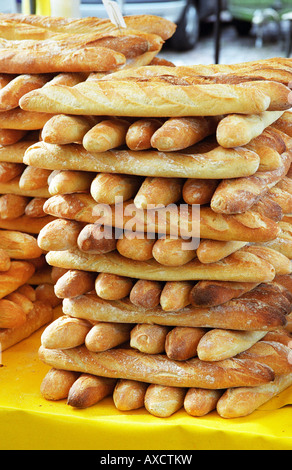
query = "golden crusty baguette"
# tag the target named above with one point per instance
(5, 261)
(198, 191)
(238, 267)
(140, 132)
(175, 295)
(41, 276)
(21, 300)
(283, 242)
(281, 263)
(239, 314)
(9, 171)
(28, 291)
(164, 401)
(113, 287)
(155, 191)
(13, 187)
(217, 163)
(18, 245)
(170, 251)
(106, 135)
(11, 136)
(18, 119)
(107, 335)
(45, 293)
(283, 198)
(34, 208)
(63, 129)
(235, 130)
(34, 178)
(237, 403)
(12, 315)
(12, 206)
(106, 187)
(281, 336)
(273, 354)
(219, 344)
(284, 123)
(146, 293)
(211, 251)
(149, 339)
(40, 316)
(158, 369)
(172, 220)
(146, 99)
(57, 383)
(60, 234)
(96, 239)
(267, 207)
(177, 134)
(74, 283)
(18, 87)
(181, 342)
(238, 195)
(65, 332)
(88, 390)
(135, 247)
(199, 402)
(64, 182)
(212, 293)
(129, 394)
(14, 153)
(18, 274)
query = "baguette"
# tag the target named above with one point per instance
(63, 129)
(18, 87)
(140, 132)
(199, 402)
(66, 182)
(112, 287)
(181, 342)
(174, 252)
(12, 206)
(267, 207)
(107, 335)
(158, 369)
(13, 187)
(28, 291)
(12, 315)
(40, 316)
(239, 267)
(155, 191)
(18, 274)
(217, 344)
(18, 119)
(284, 123)
(34, 178)
(26, 224)
(135, 247)
(45, 293)
(57, 383)
(211, 251)
(238, 195)
(14, 153)
(149, 339)
(214, 164)
(270, 353)
(173, 220)
(175, 295)
(88, 390)
(235, 130)
(129, 395)
(239, 314)
(18, 245)
(96, 239)
(178, 134)
(237, 403)
(212, 293)
(34, 208)
(281, 263)
(74, 283)
(146, 294)
(198, 191)
(106, 188)
(9, 171)
(65, 333)
(5, 261)
(164, 401)
(60, 234)
(283, 198)
(11, 136)
(146, 99)
(106, 135)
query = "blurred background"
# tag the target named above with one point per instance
(208, 31)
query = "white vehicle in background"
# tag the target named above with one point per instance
(187, 14)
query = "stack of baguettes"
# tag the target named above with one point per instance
(144, 319)
(37, 52)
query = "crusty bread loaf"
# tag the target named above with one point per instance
(175, 295)
(199, 402)
(106, 135)
(31, 225)
(12, 205)
(129, 395)
(60, 234)
(240, 314)
(12, 315)
(110, 286)
(107, 335)
(65, 332)
(164, 401)
(145, 99)
(18, 274)
(88, 390)
(182, 343)
(158, 369)
(11, 136)
(211, 293)
(57, 383)
(74, 283)
(238, 267)
(149, 339)
(140, 133)
(106, 188)
(63, 129)
(214, 164)
(18, 245)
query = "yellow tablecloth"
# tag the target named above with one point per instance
(28, 422)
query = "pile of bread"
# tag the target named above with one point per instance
(171, 244)
(38, 52)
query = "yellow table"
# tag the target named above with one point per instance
(28, 422)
